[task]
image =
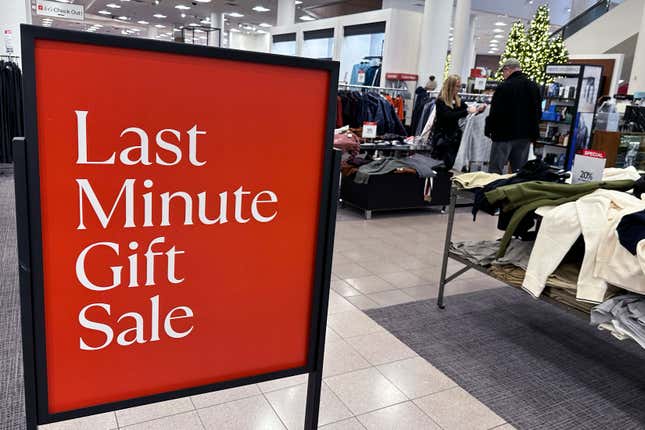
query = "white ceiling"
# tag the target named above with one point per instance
(488, 13)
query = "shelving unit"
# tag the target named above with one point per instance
(571, 92)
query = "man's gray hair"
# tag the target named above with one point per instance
(512, 63)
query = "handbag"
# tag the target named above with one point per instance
(445, 145)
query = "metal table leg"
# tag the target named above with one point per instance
(446, 246)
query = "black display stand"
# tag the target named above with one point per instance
(395, 191)
(581, 87)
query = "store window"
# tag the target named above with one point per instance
(362, 53)
(284, 44)
(319, 44)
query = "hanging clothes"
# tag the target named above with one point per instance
(359, 107)
(11, 121)
(475, 146)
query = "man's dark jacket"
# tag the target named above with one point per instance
(515, 110)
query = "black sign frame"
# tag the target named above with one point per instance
(29, 229)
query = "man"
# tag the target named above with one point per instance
(514, 119)
(431, 85)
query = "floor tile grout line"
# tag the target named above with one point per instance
(266, 399)
(199, 417)
(157, 418)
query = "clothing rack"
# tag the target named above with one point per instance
(368, 87)
(469, 96)
(456, 192)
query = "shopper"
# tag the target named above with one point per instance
(446, 133)
(431, 85)
(514, 119)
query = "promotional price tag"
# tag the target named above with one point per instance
(480, 83)
(369, 130)
(361, 77)
(588, 166)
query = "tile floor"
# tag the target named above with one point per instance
(371, 379)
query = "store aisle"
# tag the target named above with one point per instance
(371, 379)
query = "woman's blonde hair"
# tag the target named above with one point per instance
(449, 91)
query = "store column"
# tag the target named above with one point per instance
(437, 16)
(469, 60)
(461, 37)
(12, 14)
(286, 12)
(637, 81)
(153, 32)
(214, 37)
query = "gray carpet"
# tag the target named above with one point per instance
(536, 365)
(12, 413)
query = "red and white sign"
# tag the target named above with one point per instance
(369, 130)
(401, 77)
(588, 166)
(179, 219)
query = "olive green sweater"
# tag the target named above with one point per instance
(528, 196)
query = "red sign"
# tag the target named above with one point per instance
(180, 211)
(401, 77)
(592, 153)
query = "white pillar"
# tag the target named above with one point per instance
(461, 37)
(637, 81)
(286, 12)
(225, 36)
(12, 14)
(469, 59)
(153, 32)
(214, 36)
(435, 29)
(300, 42)
(579, 6)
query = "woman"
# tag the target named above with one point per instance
(446, 133)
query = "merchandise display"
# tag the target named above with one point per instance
(11, 121)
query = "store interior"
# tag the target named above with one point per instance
(461, 297)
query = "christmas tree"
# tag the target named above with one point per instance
(535, 48)
(515, 44)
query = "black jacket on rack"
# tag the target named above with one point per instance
(515, 110)
(359, 107)
(11, 121)
(421, 98)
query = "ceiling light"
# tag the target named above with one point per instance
(491, 52)
(205, 21)
(494, 43)
(234, 30)
(500, 24)
(136, 30)
(569, 9)
(307, 18)
(298, 2)
(261, 9)
(143, 22)
(202, 1)
(183, 15)
(159, 15)
(236, 15)
(105, 12)
(182, 7)
(113, 6)
(160, 26)
(498, 36)
(123, 18)
(265, 25)
(260, 31)
(97, 25)
(193, 24)
(498, 30)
